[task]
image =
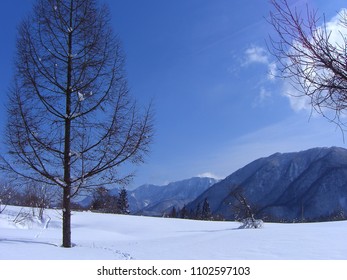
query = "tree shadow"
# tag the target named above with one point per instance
(7, 240)
(209, 230)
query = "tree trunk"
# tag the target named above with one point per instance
(66, 218)
(67, 177)
(67, 146)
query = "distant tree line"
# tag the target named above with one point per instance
(104, 201)
(41, 198)
(199, 213)
(36, 196)
(240, 207)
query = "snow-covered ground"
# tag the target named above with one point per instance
(108, 236)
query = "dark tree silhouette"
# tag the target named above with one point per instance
(71, 120)
(197, 214)
(122, 202)
(244, 210)
(184, 212)
(241, 206)
(103, 201)
(206, 210)
(173, 213)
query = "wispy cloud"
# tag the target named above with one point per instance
(262, 97)
(255, 54)
(272, 73)
(259, 55)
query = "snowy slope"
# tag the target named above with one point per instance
(108, 236)
(310, 185)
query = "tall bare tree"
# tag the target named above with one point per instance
(312, 56)
(71, 120)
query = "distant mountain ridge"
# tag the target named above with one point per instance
(153, 200)
(302, 186)
(309, 185)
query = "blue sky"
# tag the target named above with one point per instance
(205, 65)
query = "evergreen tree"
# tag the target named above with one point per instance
(122, 203)
(206, 211)
(191, 214)
(184, 213)
(198, 212)
(173, 213)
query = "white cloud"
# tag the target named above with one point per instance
(298, 102)
(336, 28)
(209, 175)
(256, 54)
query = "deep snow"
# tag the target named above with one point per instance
(109, 236)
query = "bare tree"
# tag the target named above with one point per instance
(241, 206)
(312, 56)
(103, 201)
(71, 120)
(244, 210)
(6, 191)
(39, 198)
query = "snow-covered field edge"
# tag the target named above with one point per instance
(122, 237)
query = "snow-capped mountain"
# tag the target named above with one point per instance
(303, 186)
(155, 200)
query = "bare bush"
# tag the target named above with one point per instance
(6, 194)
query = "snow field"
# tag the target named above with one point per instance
(108, 237)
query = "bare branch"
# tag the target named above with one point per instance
(312, 56)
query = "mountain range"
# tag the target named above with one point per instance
(153, 200)
(309, 185)
(158, 200)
